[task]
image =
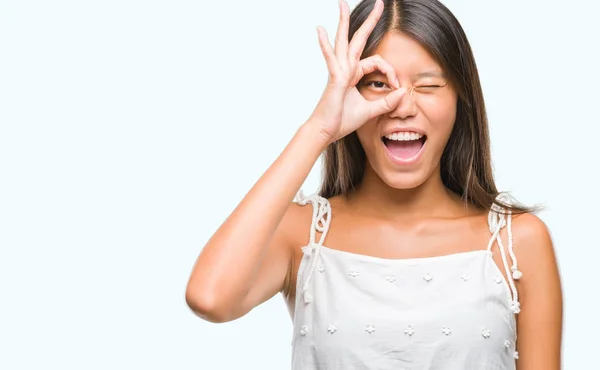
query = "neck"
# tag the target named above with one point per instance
(428, 200)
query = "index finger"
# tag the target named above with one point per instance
(341, 42)
(359, 39)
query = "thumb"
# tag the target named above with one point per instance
(387, 103)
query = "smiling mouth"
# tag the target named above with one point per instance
(404, 146)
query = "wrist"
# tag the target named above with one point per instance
(311, 131)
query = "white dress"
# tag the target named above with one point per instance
(451, 312)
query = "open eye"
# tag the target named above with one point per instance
(378, 85)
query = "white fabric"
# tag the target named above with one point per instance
(360, 312)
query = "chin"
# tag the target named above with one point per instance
(403, 180)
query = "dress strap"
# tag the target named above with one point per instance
(499, 218)
(321, 219)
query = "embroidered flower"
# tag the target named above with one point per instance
(354, 274)
(303, 330)
(390, 278)
(332, 329)
(427, 277)
(486, 333)
(409, 331)
(465, 277)
(507, 343)
(498, 280)
(516, 355)
(321, 268)
(307, 297)
(370, 329)
(446, 330)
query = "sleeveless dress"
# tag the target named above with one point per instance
(451, 312)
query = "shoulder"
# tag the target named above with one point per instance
(295, 228)
(535, 252)
(540, 291)
(298, 219)
(531, 236)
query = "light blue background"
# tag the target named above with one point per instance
(131, 129)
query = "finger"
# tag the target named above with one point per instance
(376, 62)
(359, 39)
(386, 104)
(327, 50)
(341, 42)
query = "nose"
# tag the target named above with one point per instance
(406, 108)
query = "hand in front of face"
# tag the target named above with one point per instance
(342, 109)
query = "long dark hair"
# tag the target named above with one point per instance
(466, 167)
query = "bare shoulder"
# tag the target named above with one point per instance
(532, 239)
(540, 291)
(534, 250)
(530, 225)
(296, 223)
(295, 230)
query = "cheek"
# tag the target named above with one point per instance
(367, 135)
(440, 111)
(374, 95)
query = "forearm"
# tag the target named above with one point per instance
(229, 263)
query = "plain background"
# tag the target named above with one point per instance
(131, 129)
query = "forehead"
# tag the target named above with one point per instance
(406, 55)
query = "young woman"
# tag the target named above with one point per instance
(408, 257)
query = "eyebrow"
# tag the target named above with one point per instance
(418, 76)
(429, 74)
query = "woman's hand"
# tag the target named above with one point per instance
(342, 109)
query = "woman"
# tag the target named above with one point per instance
(426, 265)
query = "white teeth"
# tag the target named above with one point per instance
(404, 136)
